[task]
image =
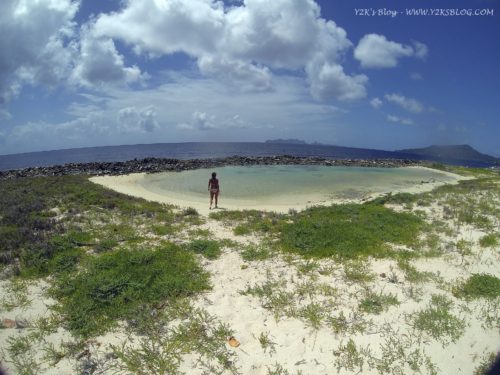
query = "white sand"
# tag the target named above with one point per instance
(297, 347)
(130, 185)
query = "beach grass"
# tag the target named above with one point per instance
(210, 249)
(349, 231)
(115, 263)
(438, 320)
(478, 286)
(110, 287)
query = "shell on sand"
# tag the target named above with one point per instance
(233, 342)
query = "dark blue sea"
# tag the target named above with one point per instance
(192, 150)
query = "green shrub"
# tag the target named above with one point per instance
(111, 286)
(489, 240)
(376, 303)
(349, 231)
(254, 252)
(242, 230)
(27, 223)
(479, 286)
(209, 249)
(438, 321)
(248, 221)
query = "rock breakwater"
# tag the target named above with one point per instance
(156, 165)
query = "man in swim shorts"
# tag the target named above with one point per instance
(213, 188)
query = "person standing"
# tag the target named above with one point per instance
(213, 188)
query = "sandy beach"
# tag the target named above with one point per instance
(293, 315)
(131, 185)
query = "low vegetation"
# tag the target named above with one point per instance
(375, 303)
(112, 286)
(208, 248)
(349, 231)
(116, 261)
(93, 242)
(438, 321)
(478, 286)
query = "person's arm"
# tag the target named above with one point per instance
(208, 184)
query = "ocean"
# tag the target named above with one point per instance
(194, 150)
(191, 150)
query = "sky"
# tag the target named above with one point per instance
(383, 74)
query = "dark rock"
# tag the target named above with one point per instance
(155, 165)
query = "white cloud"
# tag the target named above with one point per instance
(376, 51)
(34, 43)
(41, 46)
(376, 103)
(99, 62)
(242, 42)
(191, 26)
(421, 50)
(251, 115)
(409, 104)
(131, 119)
(248, 77)
(329, 81)
(399, 120)
(203, 121)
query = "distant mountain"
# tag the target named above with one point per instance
(289, 141)
(295, 141)
(453, 153)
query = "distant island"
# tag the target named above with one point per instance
(451, 152)
(288, 141)
(294, 141)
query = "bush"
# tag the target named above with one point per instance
(489, 240)
(349, 231)
(479, 286)
(209, 249)
(113, 285)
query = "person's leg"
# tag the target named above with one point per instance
(211, 199)
(216, 198)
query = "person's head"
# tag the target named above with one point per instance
(214, 174)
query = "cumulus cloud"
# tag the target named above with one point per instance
(399, 120)
(203, 121)
(376, 103)
(34, 43)
(95, 117)
(99, 62)
(249, 77)
(131, 119)
(241, 42)
(409, 104)
(329, 81)
(376, 51)
(42, 46)
(199, 121)
(163, 27)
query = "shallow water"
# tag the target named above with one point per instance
(268, 183)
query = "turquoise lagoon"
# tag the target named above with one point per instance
(293, 184)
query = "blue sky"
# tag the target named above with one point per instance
(349, 73)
